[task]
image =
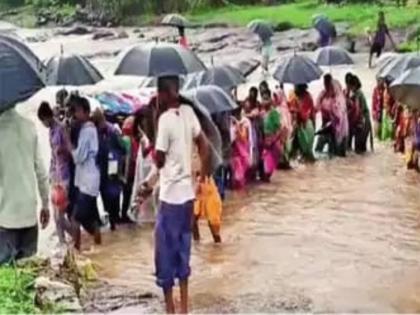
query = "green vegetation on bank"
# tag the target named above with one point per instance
(359, 15)
(17, 291)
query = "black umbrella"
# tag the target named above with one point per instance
(333, 56)
(406, 88)
(296, 70)
(20, 72)
(157, 60)
(226, 77)
(175, 20)
(213, 98)
(396, 67)
(262, 28)
(71, 70)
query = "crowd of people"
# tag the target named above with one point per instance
(92, 157)
(395, 122)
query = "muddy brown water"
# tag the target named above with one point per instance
(341, 235)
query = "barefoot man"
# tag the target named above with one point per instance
(178, 131)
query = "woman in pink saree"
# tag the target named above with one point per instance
(335, 129)
(286, 123)
(241, 151)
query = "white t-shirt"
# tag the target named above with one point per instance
(177, 129)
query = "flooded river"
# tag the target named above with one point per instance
(341, 235)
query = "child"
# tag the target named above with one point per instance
(208, 204)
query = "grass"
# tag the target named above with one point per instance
(359, 16)
(17, 291)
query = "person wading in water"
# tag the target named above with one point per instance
(178, 131)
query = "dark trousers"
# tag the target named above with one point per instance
(326, 139)
(17, 243)
(86, 212)
(111, 206)
(127, 192)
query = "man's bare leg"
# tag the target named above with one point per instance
(370, 60)
(215, 232)
(196, 230)
(183, 286)
(169, 301)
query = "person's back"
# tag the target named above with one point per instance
(181, 128)
(18, 146)
(21, 172)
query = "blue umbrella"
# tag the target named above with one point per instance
(262, 28)
(324, 26)
(20, 72)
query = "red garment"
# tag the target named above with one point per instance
(377, 103)
(306, 108)
(183, 42)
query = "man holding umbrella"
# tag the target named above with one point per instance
(178, 131)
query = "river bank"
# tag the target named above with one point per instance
(359, 17)
(337, 236)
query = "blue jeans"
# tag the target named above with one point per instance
(173, 233)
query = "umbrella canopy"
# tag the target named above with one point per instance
(323, 25)
(262, 28)
(211, 133)
(157, 60)
(226, 77)
(20, 72)
(296, 70)
(385, 59)
(213, 98)
(396, 67)
(175, 20)
(71, 70)
(333, 56)
(406, 88)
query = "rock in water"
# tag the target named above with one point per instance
(122, 34)
(103, 34)
(61, 295)
(76, 30)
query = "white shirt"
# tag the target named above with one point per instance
(87, 177)
(22, 172)
(177, 129)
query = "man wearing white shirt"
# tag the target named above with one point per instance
(22, 176)
(178, 131)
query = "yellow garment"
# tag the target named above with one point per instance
(208, 203)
